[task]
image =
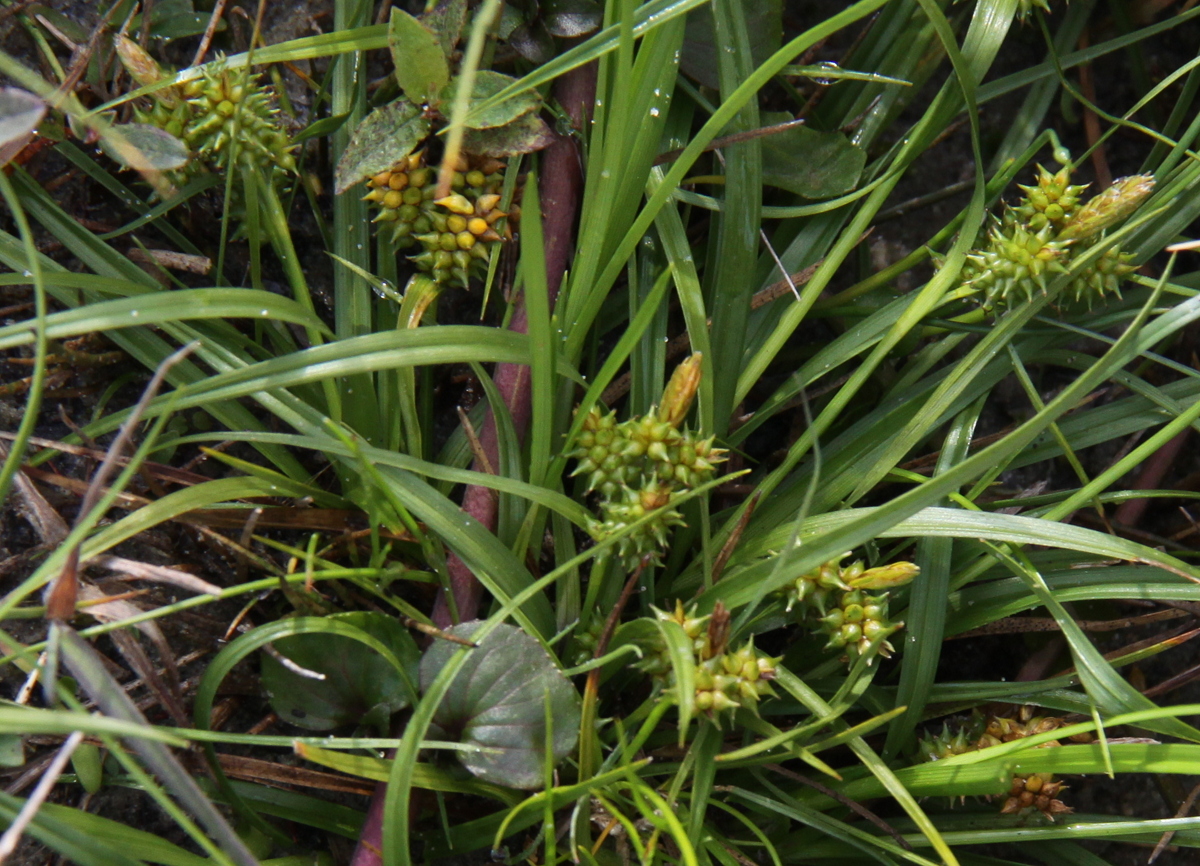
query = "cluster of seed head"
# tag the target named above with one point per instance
(1028, 792)
(629, 505)
(1049, 201)
(834, 598)
(645, 448)
(1039, 237)
(639, 467)
(859, 625)
(642, 465)
(224, 115)
(457, 233)
(723, 679)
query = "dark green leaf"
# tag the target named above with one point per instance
(421, 68)
(358, 681)
(498, 702)
(176, 19)
(144, 147)
(447, 21)
(570, 18)
(384, 137)
(764, 24)
(510, 19)
(532, 41)
(487, 85)
(324, 126)
(524, 135)
(20, 113)
(809, 163)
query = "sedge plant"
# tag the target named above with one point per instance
(675, 576)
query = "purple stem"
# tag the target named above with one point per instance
(561, 185)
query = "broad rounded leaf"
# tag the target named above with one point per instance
(524, 135)
(764, 25)
(811, 164)
(175, 19)
(533, 42)
(421, 68)
(20, 113)
(488, 84)
(144, 147)
(360, 685)
(572, 18)
(383, 138)
(498, 702)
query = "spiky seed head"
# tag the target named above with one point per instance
(1050, 201)
(859, 625)
(1015, 261)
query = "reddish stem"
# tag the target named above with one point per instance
(561, 188)
(561, 184)
(1153, 471)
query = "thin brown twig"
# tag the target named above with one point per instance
(735, 138)
(60, 601)
(209, 32)
(1170, 834)
(15, 8)
(610, 624)
(473, 439)
(734, 537)
(1028, 624)
(857, 807)
(1170, 684)
(435, 632)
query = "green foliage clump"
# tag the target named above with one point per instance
(1046, 231)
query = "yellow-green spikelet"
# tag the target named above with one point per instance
(657, 661)
(457, 233)
(601, 450)
(402, 194)
(1015, 261)
(631, 506)
(690, 461)
(1102, 277)
(1051, 200)
(813, 590)
(858, 622)
(231, 112)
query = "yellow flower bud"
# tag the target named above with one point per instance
(681, 390)
(1109, 207)
(886, 576)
